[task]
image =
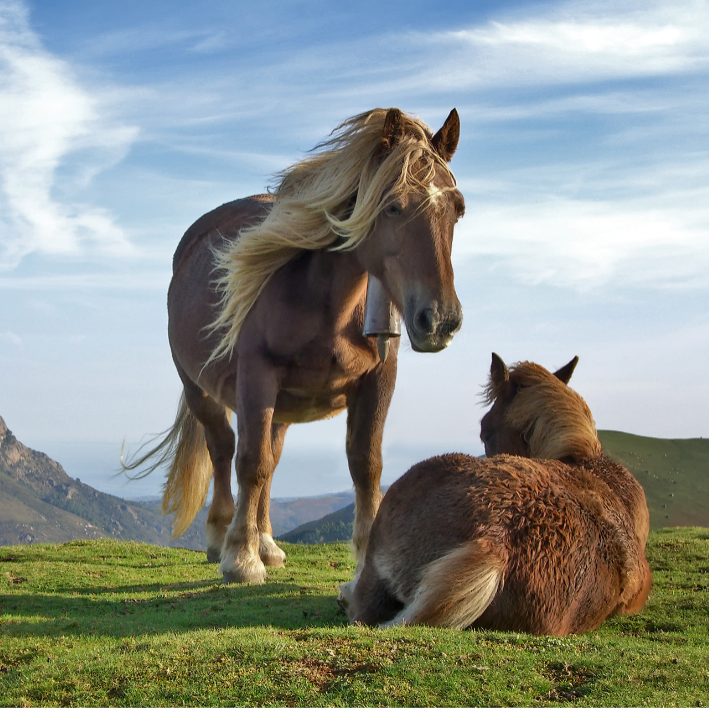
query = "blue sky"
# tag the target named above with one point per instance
(583, 160)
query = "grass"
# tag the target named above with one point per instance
(109, 623)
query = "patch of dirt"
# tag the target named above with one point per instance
(570, 681)
(324, 674)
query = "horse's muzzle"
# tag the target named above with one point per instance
(430, 330)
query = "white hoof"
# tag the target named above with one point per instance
(271, 554)
(249, 570)
(215, 541)
(344, 598)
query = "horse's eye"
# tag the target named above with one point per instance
(393, 210)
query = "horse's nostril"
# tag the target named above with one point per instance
(450, 327)
(424, 320)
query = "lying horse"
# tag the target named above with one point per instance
(267, 307)
(550, 540)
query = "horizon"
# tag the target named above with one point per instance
(583, 161)
(150, 488)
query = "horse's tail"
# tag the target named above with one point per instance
(184, 448)
(457, 588)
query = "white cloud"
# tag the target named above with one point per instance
(11, 337)
(135, 280)
(588, 244)
(46, 118)
(578, 42)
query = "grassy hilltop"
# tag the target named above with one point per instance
(110, 623)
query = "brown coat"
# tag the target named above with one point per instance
(507, 543)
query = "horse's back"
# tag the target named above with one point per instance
(223, 222)
(193, 301)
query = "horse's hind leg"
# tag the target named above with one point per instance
(368, 600)
(221, 445)
(271, 554)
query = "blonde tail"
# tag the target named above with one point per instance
(184, 447)
(457, 588)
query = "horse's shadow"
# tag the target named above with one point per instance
(157, 608)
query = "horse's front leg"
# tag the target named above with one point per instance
(367, 408)
(271, 554)
(255, 462)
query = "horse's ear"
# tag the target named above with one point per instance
(498, 371)
(393, 131)
(564, 374)
(445, 142)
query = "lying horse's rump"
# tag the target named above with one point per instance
(508, 542)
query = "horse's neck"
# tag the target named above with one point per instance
(336, 279)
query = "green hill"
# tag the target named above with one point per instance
(673, 472)
(334, 527)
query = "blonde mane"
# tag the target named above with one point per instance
(330, 199)
(554, 420)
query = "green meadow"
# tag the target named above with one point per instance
(109, 623)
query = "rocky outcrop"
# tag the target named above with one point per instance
(32, 468)
(39, 502)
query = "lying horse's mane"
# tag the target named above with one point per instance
(329, 199)
(554, 420)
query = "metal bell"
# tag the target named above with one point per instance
(381, 318)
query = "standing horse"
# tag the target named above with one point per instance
(520, 542)
(266, 312)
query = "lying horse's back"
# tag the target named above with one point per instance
(511, 542)
(549, 546)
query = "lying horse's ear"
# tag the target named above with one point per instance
(564, 374)
(498, 371)
(393, 131)
(445, 142)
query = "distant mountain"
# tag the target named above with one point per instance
(39, 502)
(285, 515)
(673, 472)
(334, 527)
(288, 515)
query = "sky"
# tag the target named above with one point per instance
(583, 159)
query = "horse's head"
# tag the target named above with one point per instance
(536, 415)
(409, 246)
